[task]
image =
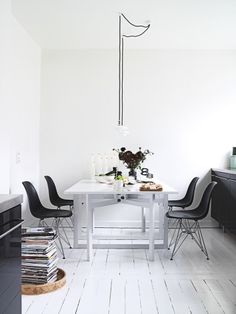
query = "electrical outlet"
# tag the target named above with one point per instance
(18, 157)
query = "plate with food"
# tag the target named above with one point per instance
(151, 187)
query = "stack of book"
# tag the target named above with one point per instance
(39, 255)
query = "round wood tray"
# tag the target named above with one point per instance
(45, 288)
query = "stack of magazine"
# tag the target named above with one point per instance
(39, 255)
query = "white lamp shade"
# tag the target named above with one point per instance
(123, 130)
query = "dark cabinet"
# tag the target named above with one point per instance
(232, 208)
(223, 206)
(10, 261)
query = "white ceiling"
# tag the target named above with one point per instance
(84, 24)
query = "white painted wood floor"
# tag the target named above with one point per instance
(123, 281)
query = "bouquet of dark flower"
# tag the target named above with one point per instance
(131, 160)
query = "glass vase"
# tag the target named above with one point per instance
(133, 173)
(232, 162)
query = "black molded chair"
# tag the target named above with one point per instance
(55, 199)
(184, 202)
(187, 200)
(188, 222)
(42, 213)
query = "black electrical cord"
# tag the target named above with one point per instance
(121, 63)
(122, 86)
(119, 121)
(135, 25)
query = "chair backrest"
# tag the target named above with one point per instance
(34, 202)
(188, 198)
(203, 207)
(52, 190)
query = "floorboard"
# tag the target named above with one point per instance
(124, 281)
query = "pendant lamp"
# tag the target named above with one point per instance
(127, 29)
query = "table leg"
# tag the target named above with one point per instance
(143, 220)
(161, 217)
(89, 213)
(151, 231)
(93, 220)
(165, 222)
(76, 220)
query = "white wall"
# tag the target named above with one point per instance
(178, 103)
(20, 102)
(89, 24)
(4, 134)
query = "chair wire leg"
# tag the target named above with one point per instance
(168, 223)
(42, 223)
(195, 235)
(62, 236)
(66, 237)
(173, 235)
(54, 223)
(189, 227)
(59, 237)
(198, 236)
(177, 245)
(69, 222)
(170, 226)
(185, 229)
(173, 225)
(176, 240)
(203, 242)
(72, 223)
(72, 217)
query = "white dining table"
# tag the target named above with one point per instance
(89, 194)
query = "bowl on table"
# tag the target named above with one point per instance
(104, 179)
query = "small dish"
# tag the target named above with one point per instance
(105, 179)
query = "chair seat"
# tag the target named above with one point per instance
(54, 213)
(184, 214)
(177, 203)
(64, 202)
(187, 200)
